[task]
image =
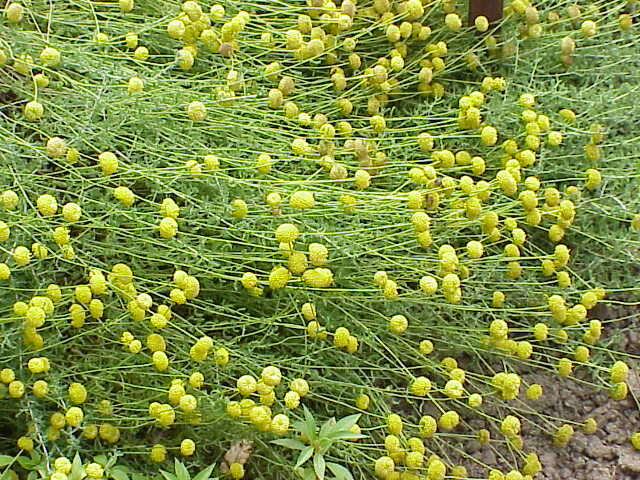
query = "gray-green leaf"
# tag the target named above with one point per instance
(289, 443)
(304, 456)
(205, 474)
(319, 465)
(340, 472)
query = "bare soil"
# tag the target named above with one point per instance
(605, 455)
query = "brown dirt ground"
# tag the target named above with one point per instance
(604, 455)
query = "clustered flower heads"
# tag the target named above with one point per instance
(264, 233)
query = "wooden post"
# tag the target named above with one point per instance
(492, 9)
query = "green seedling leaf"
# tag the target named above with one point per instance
(26, 463)
(168, 475)
(345, 436)
(307, 427)
(347, 422)
(289, 443)
(340, 472)
(111, 462)
(205, 474)
(319, 465)
(6, 460)
(77, 472)
(325, 444)
(119, 473)
(327, 427)
(181, 471)
(304, 456)
(36, 457)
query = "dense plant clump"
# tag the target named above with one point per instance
(305, 239)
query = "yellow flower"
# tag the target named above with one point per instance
(221, 356)
(156, 343)
(533, 391)
(481, 23)
(71, 212)
(158, 453)
(384, 467)
(101, 37)
(562, 435)
(475, 400)
(278, 277)
(398, 324)
(474, 249)
(453, 21)
(165, 414)
(62, 465)
(239, 208)
(126, 5)
(588, 28)
(291, 400)
(318, 254)
(77, 393)
(427, 426)
(90, 432)
(428, 285)
(280, 424)
(22, 256)
(188, 403)
(510, 426)
(341, 337)
(449, 420)
(390, 289)
(168, 227)
(565, 367)
(38, 365)
(318, 277)
(300, 386)
(236, 470)
(108, 162)
(302, 200)
(394, 424)
(488, 136)
(197, 111)
(16, 389)
(297, 263)
(362, 401)
(619, 371)
(33, 111)
(40, 388)
(263, 163)
(160, 361)
(15, 13)
(420, 386)
(618, 391)
(9, 199)
(271, 376)
(187, 447)
(56, 147)
(74, 416)
(246, 385)
(124, 195)
(426, 347)
(5, 271)
(453, 389)
(25, 443)
(47, 205)
(196, 380)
